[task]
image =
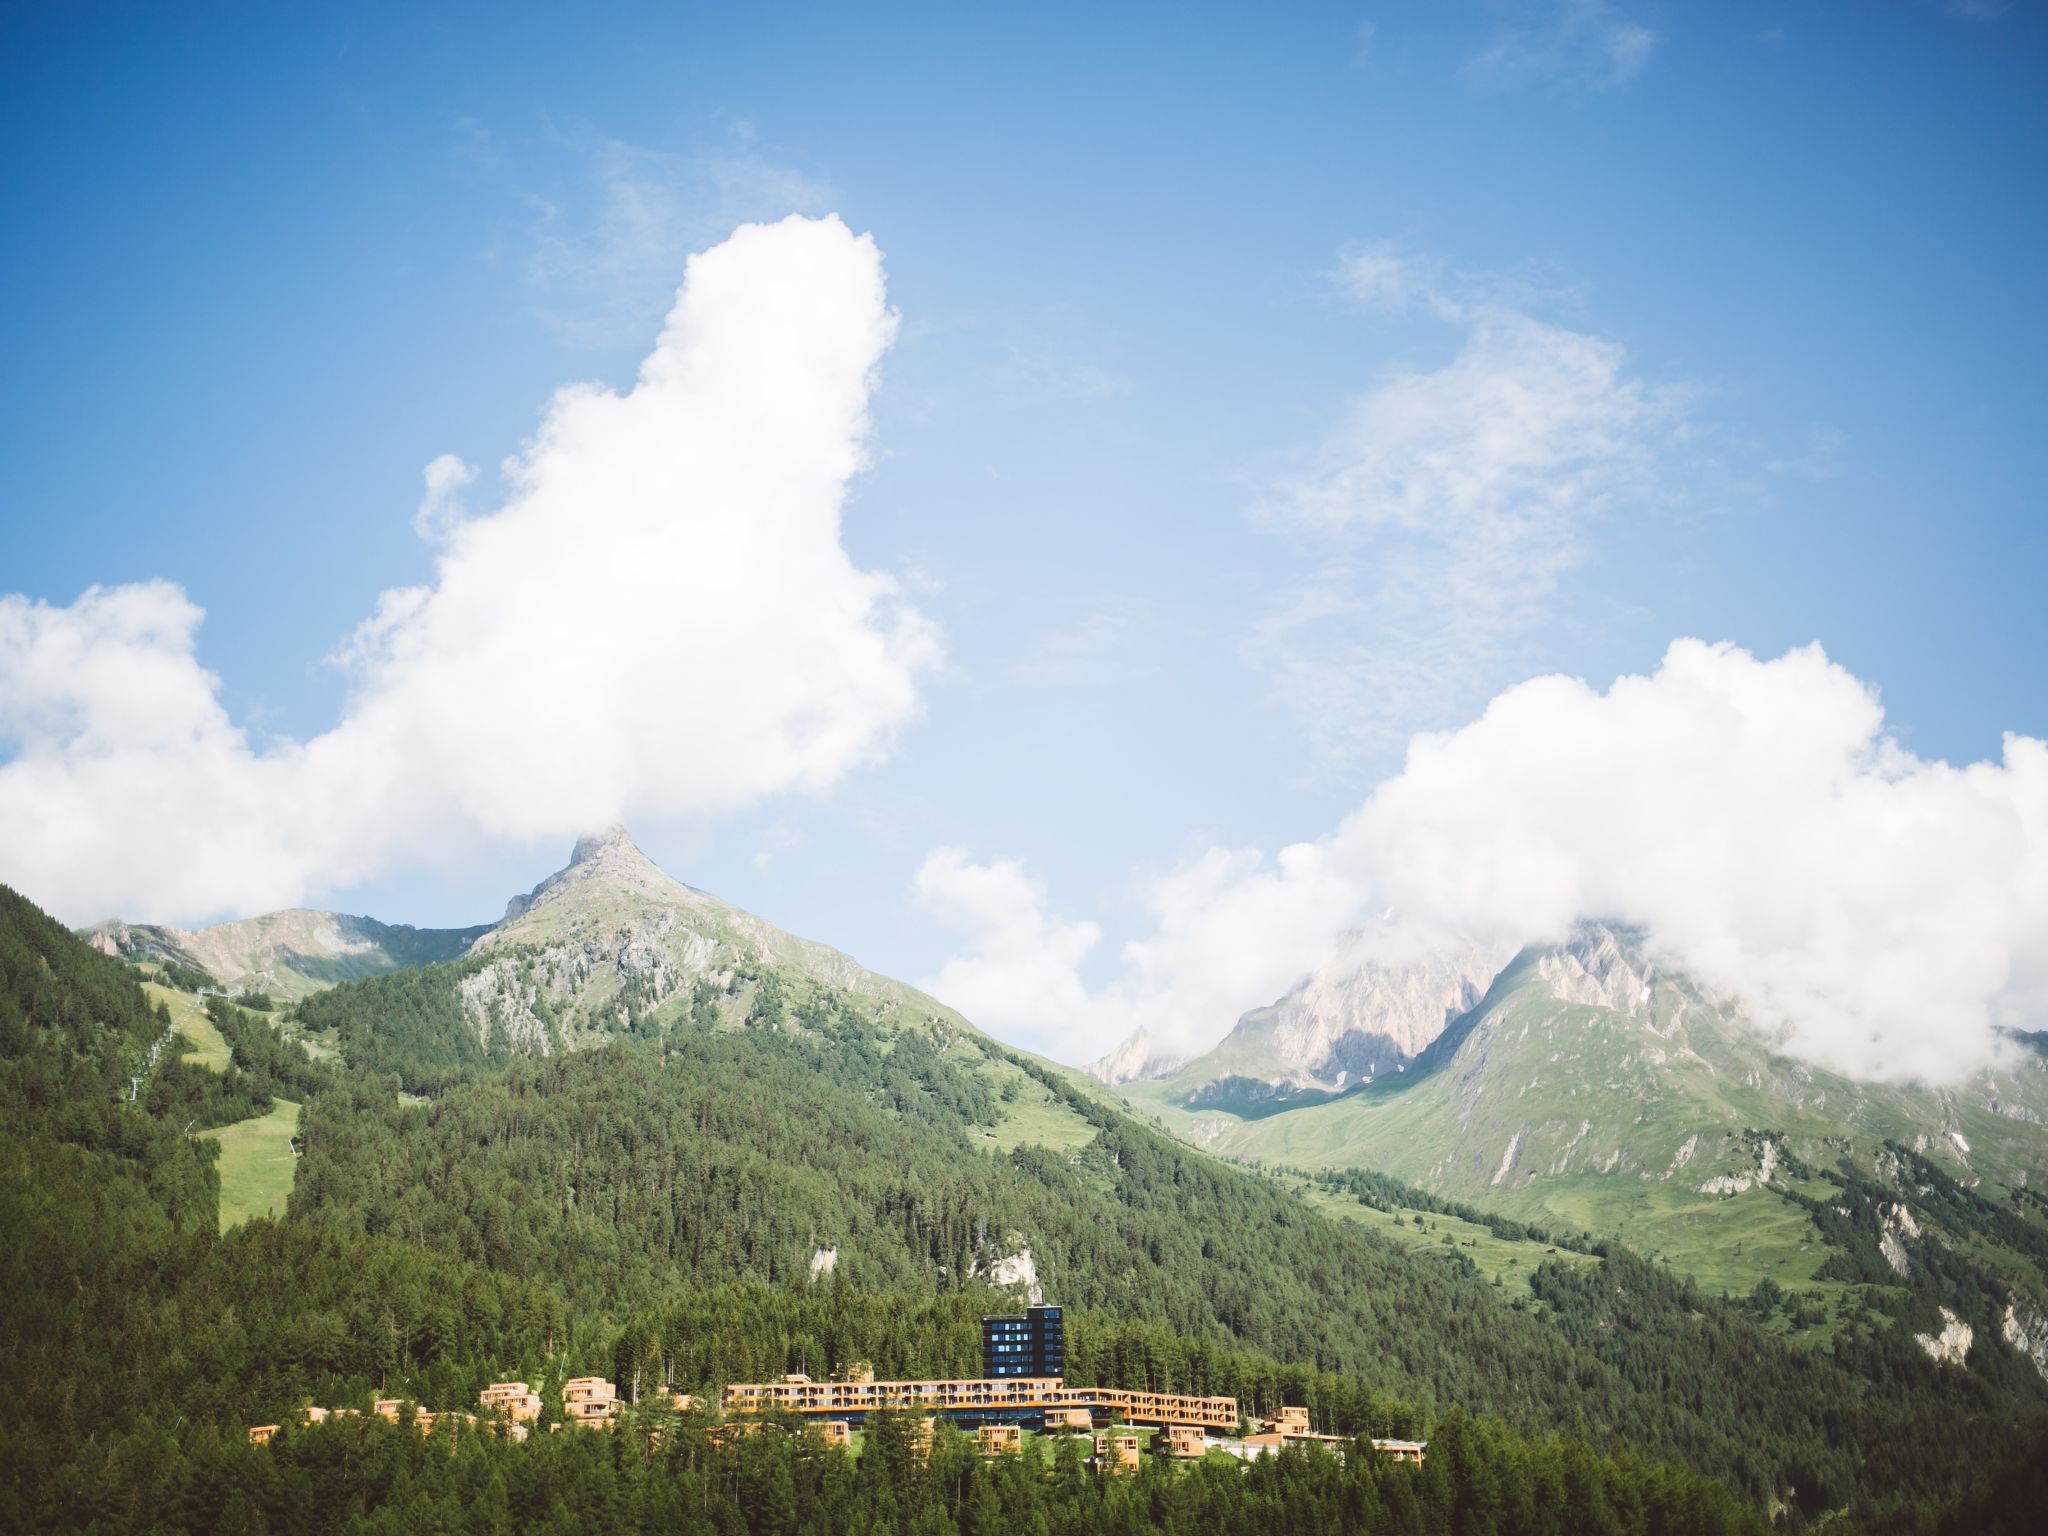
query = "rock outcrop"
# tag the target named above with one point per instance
(1371, 1009)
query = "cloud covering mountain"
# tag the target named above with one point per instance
(658, 621)
(1873, 911)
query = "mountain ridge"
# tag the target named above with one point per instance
(289, 953)
(1590, 1089)
(1372, 1008)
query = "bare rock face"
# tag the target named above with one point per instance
(2027, 1331)
(1369, 1010)
(1355, 1009)
(607, 858)
(1739, 1183)
(1014, 1270)
(1136, 1059)
(1598, 968)
(1952, 1345)
(610, 937)
(288, 954)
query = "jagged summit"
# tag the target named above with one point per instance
(1601, 965)
(612, 840)
(1373, 1007)
(593, 844)
(611, 933)
(1138, 1057)
(609, 858)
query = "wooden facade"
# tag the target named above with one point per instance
(988, 1400)
(1116, 1453)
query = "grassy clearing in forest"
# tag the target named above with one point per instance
(1500, 1259)
(188, 1017)
(257, 1164)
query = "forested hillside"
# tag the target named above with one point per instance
(748, 1140)
(785, 1179)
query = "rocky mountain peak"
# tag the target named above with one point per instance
(1370, 1009)
(614, 840)
(609, 859)
(1602, 966)
(1138, 1057)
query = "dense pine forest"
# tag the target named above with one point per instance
(653, 1209)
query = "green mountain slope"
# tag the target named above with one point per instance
(629, 1088)
(779, 1172)
(1587, 1092)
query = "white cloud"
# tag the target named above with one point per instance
(1876, 913)
(1451, 501)
(1225, 926)
(1580, 45)
(659, 622)
(441, 507)
(1019, 972)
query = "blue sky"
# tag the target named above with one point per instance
(261, 265)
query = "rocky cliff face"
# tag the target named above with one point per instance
(1600, 967)
(1137, 1059)
(1358, 1017)
(1370, 1010)
(610, 937)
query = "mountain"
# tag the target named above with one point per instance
(1588, 1091)
(286, 954)
(1367, 1012)
(765, 1170)
(610, 939)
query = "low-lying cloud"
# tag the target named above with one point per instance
(658, 621)
(1874, 912)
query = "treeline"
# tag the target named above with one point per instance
(366, 1476)
(1384, 1192)
(698, 1157)
(407, 1025)
(183, 978)
(76, 1032)
(278, 1067)
(627, 1172)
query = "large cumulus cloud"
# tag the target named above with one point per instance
(1872, 911)
(658, 621)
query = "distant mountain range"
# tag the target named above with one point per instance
(628, 1091)
(1357, 1017)
(1586, 1090)
(1570, 1086)
(287, 954)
